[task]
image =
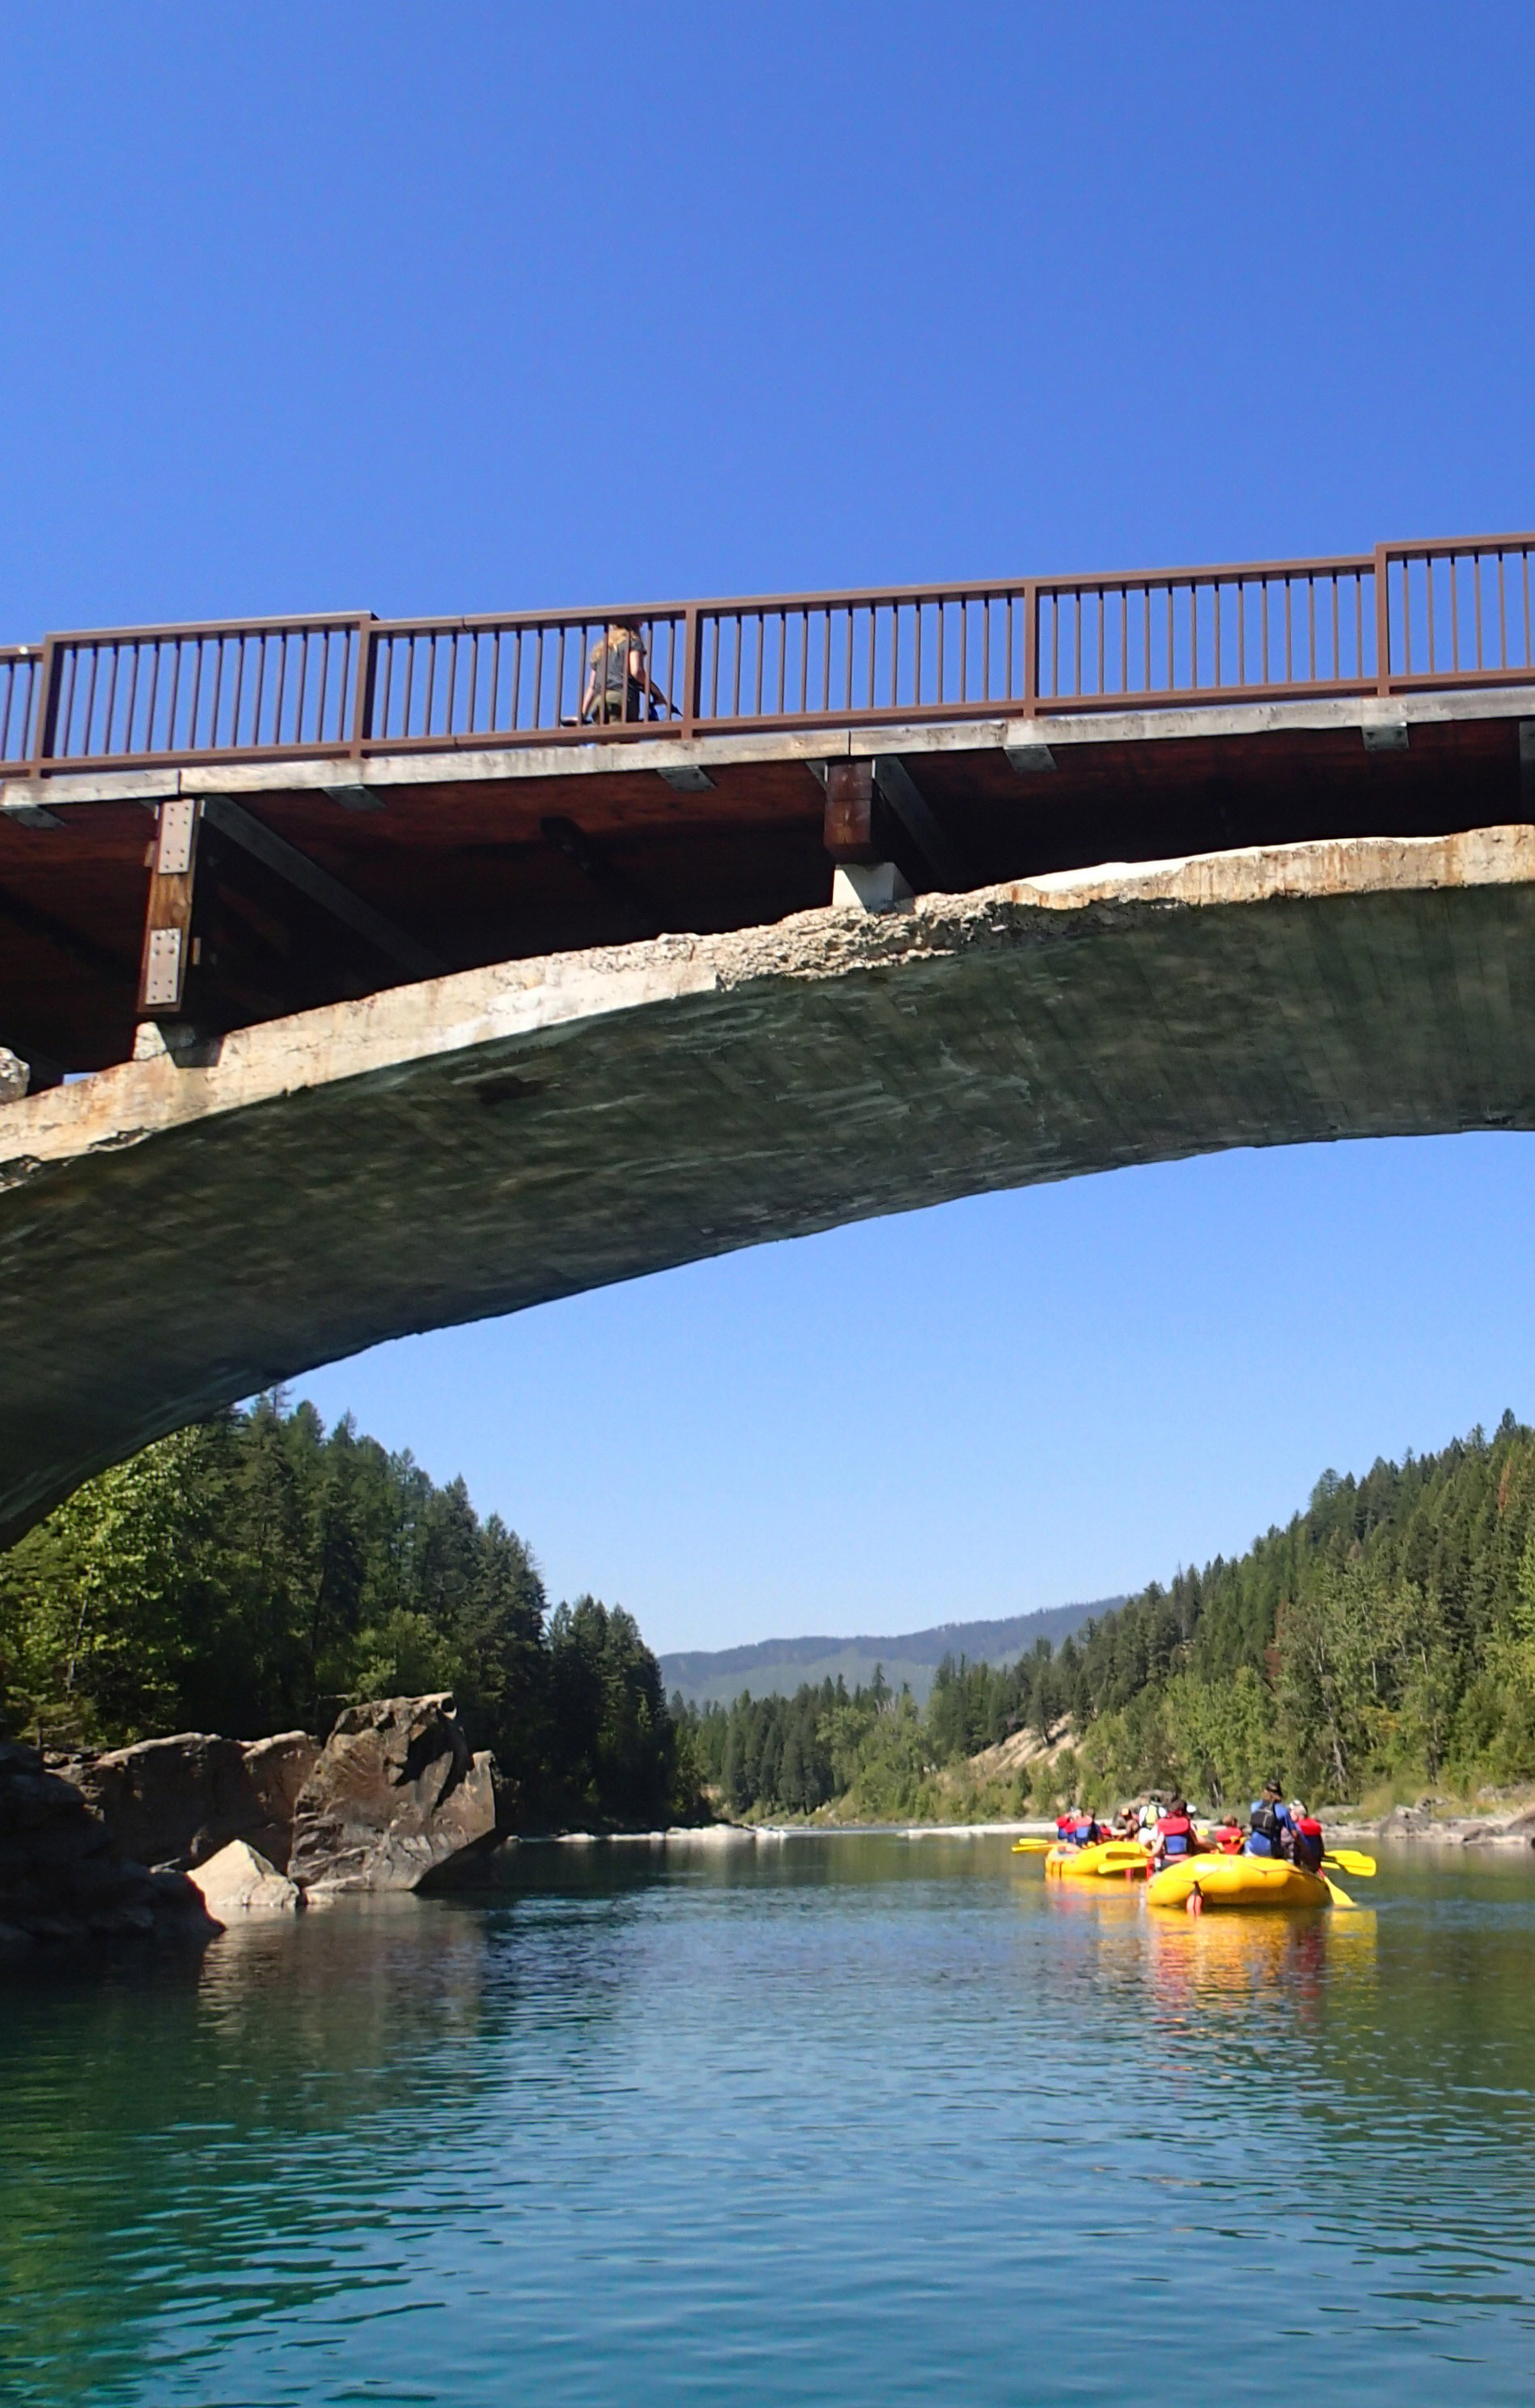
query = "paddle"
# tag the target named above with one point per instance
(1348, 1861)
(1339, 1897)
(1031, 1847)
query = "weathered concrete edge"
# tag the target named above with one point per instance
(661, 753)
(535, 1000)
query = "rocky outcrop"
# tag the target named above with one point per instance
(238, 1882)
(180, 1801)
(1430, 1820)
(1418, 1822)
(395, 1798)
(66, 1885)
(277, 1769)
(1506, 1832)
(171, 1800)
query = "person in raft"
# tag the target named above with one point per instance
(1176, 1836)
(1307, 1847)
(1079, 1829)
(1270, 1823)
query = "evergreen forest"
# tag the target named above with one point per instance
(1382, 1642)
(254, 1573)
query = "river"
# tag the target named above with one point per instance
(841, 2120)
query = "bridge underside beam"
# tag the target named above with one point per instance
(481, 857)
(173, 1237)
(239, 919)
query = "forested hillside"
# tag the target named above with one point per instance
(1387, 1631)
(775, 1666)
(873, 1754)
(1386, 1636)
(253, 1573)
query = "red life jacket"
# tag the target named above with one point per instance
(1176, 1834)
(1308, 1843)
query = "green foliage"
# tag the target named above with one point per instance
(869, 1752)
(97, 1604)
(614, 1740)
(1385, 1635)
(255, 1574)
(784, 1755)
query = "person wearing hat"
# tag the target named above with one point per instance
(1271, 1826)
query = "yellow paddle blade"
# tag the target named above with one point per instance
(1339, 1897)
(1350, 1860)
(1031, 1847)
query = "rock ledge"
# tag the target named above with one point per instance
(66, 1885)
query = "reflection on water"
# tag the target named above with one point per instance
(1221, 1964)
(822, 2122)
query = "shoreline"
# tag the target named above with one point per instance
(725, 1834)
(1410, 1824)
(1422, 1829)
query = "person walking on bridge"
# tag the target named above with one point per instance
(619, 685)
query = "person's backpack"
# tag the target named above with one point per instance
(1268, 1828)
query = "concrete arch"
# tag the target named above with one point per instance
(175, 1234)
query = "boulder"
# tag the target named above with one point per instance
(277, 1769)
(238, 1881)
(64, 1882)
(180, 1801)
(172, 1800)
(396, 1797)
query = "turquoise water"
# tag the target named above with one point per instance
(842, 2121)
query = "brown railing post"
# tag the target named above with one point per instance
(362, 698)
(692, 670)
(1383, 620)
(1031, 649)
(45, 726)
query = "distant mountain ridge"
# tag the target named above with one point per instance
(913, 1656)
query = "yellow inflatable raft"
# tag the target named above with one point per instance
(1237, 1881)
(1105, 1860)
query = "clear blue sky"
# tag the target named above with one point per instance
(423, 309)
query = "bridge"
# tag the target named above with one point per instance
(339, 999)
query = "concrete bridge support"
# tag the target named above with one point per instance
(180, 1231)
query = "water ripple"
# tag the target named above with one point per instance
(865, 2119)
